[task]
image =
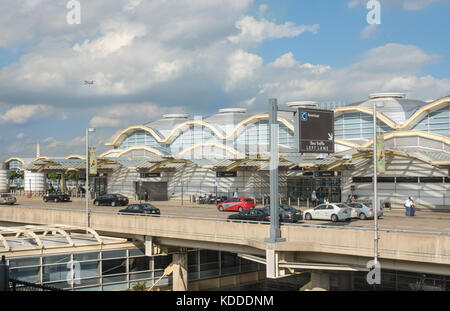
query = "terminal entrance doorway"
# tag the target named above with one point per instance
(157, 191)
(99, 185)
(326, 187)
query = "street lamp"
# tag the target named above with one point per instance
(376, 104)
(87, 196)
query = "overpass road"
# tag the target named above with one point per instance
(427, 221)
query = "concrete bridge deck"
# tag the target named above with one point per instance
(350, 244)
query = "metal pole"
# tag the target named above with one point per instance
(87, 179)
(275, 232)
(375, 197)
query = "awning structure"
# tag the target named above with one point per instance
(31, 237)
(156, 164)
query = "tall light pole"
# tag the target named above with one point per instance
(88, 194)
(375, 194)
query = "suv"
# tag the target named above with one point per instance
(56, 197)
(111, 199)
(6, 198)
(236, 204)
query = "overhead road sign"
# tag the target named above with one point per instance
(315, 130)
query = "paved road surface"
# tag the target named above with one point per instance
(393, 219)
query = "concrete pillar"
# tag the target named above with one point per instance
(320, 281)
(63, 182)
(3, 178)
(180, 272)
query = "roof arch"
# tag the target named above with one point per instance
(15, 159)
(74, 156)
(408, 124)
(179, 129)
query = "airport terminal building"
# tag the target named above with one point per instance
(184, 156)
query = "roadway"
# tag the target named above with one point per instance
(395, 219)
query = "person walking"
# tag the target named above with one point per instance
(235, 194)
(314, 198)
(408, 204)
(413, 207)
(146, 196)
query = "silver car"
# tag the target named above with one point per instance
(364, 210)
(7, 198)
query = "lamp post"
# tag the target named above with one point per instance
(88, 194)
(375, 194)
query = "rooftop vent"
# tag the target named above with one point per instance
(175, 116)
(233, 110)
(303, 104)
(386, 95)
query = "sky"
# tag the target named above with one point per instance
(148, 58)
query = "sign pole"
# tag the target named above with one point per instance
(275, 232)
(87, 178)
(375, 195)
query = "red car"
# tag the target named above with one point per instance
(236, 204)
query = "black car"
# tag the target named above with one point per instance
(56, 197)
(112, 200)
(287, 213)
(254, 214)
(146, 209)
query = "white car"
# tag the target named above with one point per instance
(364, 210)
(329, 211)
(7, 198)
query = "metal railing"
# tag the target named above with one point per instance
(22, 286)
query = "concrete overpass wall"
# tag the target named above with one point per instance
(355, 245)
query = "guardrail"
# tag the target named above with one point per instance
(22, 286)
(337, 226)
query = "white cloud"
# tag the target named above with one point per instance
(256, 31)
(23, 113)
(241, 68)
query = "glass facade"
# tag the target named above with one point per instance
(436, 122)
(121, 269)
(357, 126)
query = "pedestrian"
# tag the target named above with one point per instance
(408, 203)
(349, 199)
(325, 200)
(413, 207)
(146, 196)
(314, 198)
(235, 194)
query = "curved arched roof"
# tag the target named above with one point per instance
(180, 127)
(420, 111)
(15, 159)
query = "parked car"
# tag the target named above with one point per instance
(236, 204)
(56, 197)
(364, 210)
(287, 213)
(111, 199)
(329, 211)
(211, 199)
(147, 209)
(7, 198)
(254, 214)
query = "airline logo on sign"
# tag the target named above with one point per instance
(316, 131)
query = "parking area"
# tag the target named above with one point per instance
(395, 219)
